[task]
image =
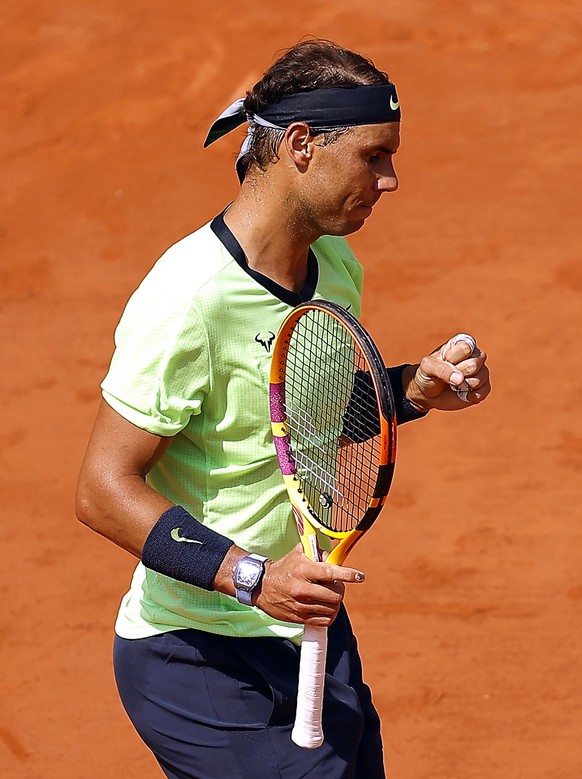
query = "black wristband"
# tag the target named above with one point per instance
(405, 411)
(182, 548)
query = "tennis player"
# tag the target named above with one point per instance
(180, 468)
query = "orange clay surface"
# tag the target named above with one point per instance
(469, 621)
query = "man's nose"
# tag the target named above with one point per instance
(388, 180)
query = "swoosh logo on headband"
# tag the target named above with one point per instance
(394, 104)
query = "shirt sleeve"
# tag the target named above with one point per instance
(160, 370)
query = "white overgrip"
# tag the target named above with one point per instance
(307, 730)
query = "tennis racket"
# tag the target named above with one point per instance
(334, 428)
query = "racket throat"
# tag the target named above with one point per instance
(314, 548)
(339, 553)
(309, 538)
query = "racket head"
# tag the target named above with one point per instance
(333, 422)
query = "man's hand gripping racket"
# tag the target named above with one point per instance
(334, 427)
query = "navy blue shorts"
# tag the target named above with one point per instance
(214, 707)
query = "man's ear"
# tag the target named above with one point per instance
(298, 143)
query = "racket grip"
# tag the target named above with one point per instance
(307, 730)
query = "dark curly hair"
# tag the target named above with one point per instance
(309, 65)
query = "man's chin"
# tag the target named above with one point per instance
(347, 227)
(353, 226)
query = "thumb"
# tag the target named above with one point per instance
(458, 348)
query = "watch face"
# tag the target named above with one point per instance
(248, 573)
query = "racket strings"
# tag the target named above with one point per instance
(332, 415)
(311, 458)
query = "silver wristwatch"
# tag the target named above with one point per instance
(247, 576)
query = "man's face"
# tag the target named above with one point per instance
(346, 178)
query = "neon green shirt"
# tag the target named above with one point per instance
(192, 356)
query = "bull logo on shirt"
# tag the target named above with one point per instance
(265, 338)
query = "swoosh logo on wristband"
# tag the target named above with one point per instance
(175, 533)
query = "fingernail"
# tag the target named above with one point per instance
(360, 577)
(457, 378)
